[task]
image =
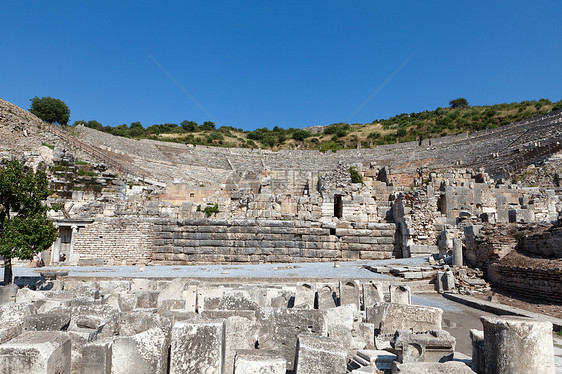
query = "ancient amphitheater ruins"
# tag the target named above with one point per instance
(179, 259)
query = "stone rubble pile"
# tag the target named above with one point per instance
(180, 326)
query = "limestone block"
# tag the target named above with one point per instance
(127, 301)
(478, 362)
(451, 367)
(46, 322)
(287, 324)
(372, 293)
(96, 357)
(8, 293)
(260, 361)
(318, 355)
(143, 353)
(189, 294)
(108, 314)
(198, 347)
(389, 317)
(305, 294)
(517, 345)
(400, 294)
(78, 338)
(36, 352)
(10, 331)
(381, 360)
(363, 336)
(326, 297)
(240, 333)
(340, 323)
(350, 293)
(434, 346)
(141, 320)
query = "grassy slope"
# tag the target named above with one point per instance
(401, 128)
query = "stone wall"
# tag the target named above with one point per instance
(115, 241)
(536, 283)
(248, 240)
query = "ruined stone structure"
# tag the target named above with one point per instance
(489, 200)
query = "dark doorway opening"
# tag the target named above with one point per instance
(338, 206)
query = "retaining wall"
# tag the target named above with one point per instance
(252, 241)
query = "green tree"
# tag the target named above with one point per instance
(189, 126)
(207, 126)
(24, 227)
(50, 110)
(461, 102)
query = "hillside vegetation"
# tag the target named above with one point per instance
(456, 119)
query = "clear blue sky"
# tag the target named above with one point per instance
(254, 64)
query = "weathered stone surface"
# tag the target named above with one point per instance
(326, 297)
(430, 368)
(305, 294)
(143, 353)
(141, 320)
(198, 347)
(434, 346)
(259, 361)
(240, 333)
(389, 317)
(350, 293)
(339, 323)
(318, 354)
(287, 324)
(96, 357)
(400, 294)
(47, 322)
(36, 352)
(517, 345)
(372, 293)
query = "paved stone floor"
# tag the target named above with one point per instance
(292, 271)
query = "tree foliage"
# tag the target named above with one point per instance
(50, 110)
(461, 102)
(24, 227)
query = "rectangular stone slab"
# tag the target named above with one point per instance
(36, 352)
(198, 347)
(389, 317)
(259, 361)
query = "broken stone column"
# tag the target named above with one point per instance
(372, 294)
(198, 347)
(319, 355)
(517, 345)
(477, 338)
(457, 252)
(261, 361)
(400, 294)
(36, 352)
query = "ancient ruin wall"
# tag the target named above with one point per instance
(114, 241)
(212, 241)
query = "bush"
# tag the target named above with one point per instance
(50, 110)
(355, 176)
(210, 210)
